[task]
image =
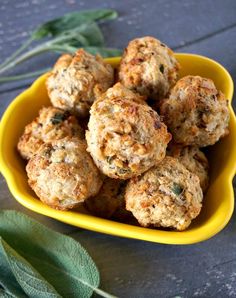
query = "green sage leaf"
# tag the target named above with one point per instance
(72, 20)
(93, 35)
(8, 281)
(104, 52)
(61, 260)
(5, 294)
(33, 284)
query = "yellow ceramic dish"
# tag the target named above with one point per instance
(218, 202)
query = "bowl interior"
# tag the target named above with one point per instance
(218, 202)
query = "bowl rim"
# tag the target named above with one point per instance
(107, 226)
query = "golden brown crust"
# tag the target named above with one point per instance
(63, 62)
(148, 67)
(62, 174)
(51, 124)
(167, 195)
(125, 137)
(75, 82)
(196, 112)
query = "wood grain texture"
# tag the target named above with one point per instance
(174, 22)
(131, 268)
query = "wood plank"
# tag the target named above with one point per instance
(171, 21)
(166, 19)
(140, 269)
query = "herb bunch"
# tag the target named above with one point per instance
(63, 35)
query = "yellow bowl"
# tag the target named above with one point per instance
(218, 202)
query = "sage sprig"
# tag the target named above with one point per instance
(63, 35)
(38, 262)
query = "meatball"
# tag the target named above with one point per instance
(109, 202)
(125, 137)
(62, 174)
(196, 112)
(51, 124)
(148, 67)
(194, 160)
(167, 195)
(75, 82)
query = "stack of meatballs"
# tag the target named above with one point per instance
(127, 148)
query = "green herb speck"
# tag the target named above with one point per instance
(177, 189)
(161, 68)
(58, 118)
(123, 171)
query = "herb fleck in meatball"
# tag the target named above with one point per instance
(148, 67)
(62, 174)
(51, 124)
(167, 195)
(193, 159)
(125, 137)
(75, 82)
(196, 112)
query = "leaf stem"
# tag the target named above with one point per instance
(78, 279)
(46, 46)
(103, 294)
(17, 52)
(23, 57)
(23, 76)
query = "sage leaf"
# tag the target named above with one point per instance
(33, 284)
(72, 20)
(104, 52)
(8, 281)
(89, 35)
(61, 260)
(83, 35)
(93, 34)
(5, 294)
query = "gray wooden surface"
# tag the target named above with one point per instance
(131, 268)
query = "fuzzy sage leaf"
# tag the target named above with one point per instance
(5, 294)
(72, 20)
(104, 52)
(33, 284)
(59, 259)
(8, 281)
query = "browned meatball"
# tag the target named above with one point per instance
(149, 67)
(167, 195)
(76, 81)
(125, 137)
(62, 174)
(196, 112)
(51, 124)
